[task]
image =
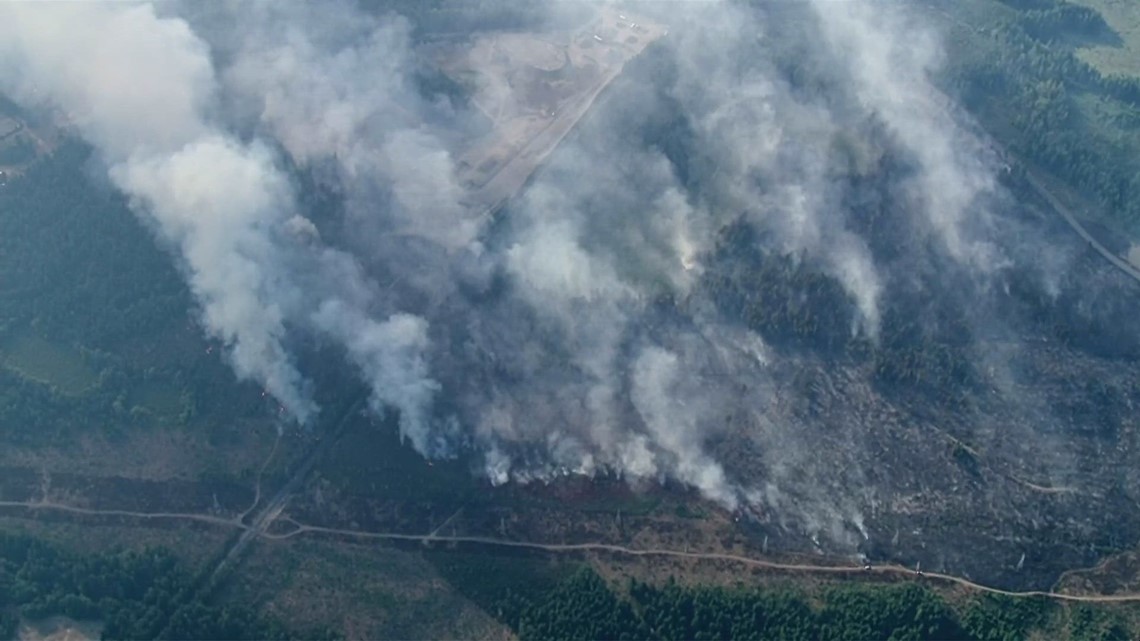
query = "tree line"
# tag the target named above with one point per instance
(136, 594)
(80, 271)
(1027, 77)
(539, 600)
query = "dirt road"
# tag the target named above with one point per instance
(1035, 182)
(1061, 209)
(707, 556)
(274, 508)
(184, 516)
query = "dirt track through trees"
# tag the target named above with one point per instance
(804, 568)
(267, 515)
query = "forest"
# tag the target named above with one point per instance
(80, 275)
(935, 316)
(83, 274)
(97, 326)
(148, 594)
(1024, 81)
(539, 600)
(136, 594)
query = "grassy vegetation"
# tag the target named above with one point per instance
(1021, 67)
(138, 594)
(541, 599)
(134, 360)
(192, 546)
(1121, 55)
(46, 362)
(165, 400)
(96, 326)
(365, 591)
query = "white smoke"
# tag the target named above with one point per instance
(755, 125)
(567, 366)
(142, 96)
(674, 423)
(333, 83)
(213, 200)
(892, 77)
(390, 355)
(139, 88)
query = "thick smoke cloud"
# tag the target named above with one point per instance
(541, 343)
(891, 76)
(139, 88)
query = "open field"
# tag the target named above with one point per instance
(190, 543)
(46, 362)
(1123, 57)
(59, 629)
(365, 591)
(154, 454)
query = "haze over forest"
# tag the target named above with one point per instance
(773, 188)
(575, 319)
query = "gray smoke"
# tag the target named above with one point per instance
(139, 88)
(891, 76)
(540, 344)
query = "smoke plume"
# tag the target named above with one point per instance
(570, 332)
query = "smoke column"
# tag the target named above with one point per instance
(542, 345)
(138, 87)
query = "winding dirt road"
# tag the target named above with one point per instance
(707, 556)
(257, 530)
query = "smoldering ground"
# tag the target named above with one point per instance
(601, 322)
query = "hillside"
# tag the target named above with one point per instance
(761, 337)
